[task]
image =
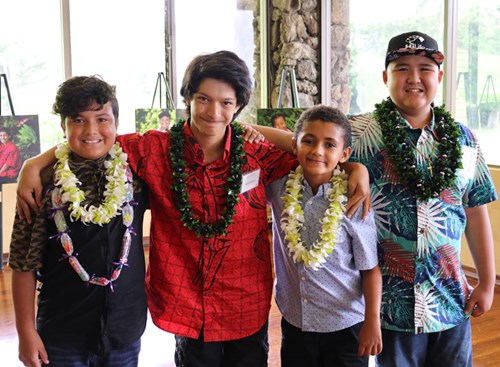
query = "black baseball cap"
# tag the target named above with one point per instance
(413, 43)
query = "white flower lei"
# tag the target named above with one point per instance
(114, 195)
(292, 219)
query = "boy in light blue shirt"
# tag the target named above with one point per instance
(328, 284)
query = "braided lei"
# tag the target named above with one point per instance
(118, 200)
(292, 219)
(233, 185)
(449, 154)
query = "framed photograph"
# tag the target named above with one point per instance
(280, 118)
(19, 140)
(157, 118)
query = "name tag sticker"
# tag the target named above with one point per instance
(469, 158)
(249, 180)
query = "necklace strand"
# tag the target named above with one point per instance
(427, 157)
(64, 193)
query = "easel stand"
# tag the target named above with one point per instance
(3, 77)
(290, 72)
(168, 97)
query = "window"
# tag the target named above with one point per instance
(119, 40)
(123, 41)
(373, 24)
(478, 73)
(30, 57)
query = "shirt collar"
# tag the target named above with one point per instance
(198, 151)
(429, 127)
(322, 189)
(78, 164)
(433, 121)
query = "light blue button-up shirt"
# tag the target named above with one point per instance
(330, 298)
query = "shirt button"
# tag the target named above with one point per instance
(305, 300)
(303, 278)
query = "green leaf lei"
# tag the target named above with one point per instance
(395, 138)
(180, 191)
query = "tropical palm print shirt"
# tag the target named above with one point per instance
(424, 287)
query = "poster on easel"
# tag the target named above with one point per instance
(283, 118)
(280, 118)
(159, 118)
(154, 119)
(19, 140)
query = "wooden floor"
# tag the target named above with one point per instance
(158, 346)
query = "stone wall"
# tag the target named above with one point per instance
(294, 41)
(340, 55)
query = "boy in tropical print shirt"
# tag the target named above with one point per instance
(429, 184)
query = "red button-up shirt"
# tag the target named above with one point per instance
(222, 285)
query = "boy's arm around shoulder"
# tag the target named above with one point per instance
(480, 241)
(29, 183)
(282, 139)
(31, 348)
(359, 188)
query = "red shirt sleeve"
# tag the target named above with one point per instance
(140, 148)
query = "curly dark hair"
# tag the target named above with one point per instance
(325, 114)
(222, 65)
(79, 93)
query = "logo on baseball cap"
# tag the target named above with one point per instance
(413, 43)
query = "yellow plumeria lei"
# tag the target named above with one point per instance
(114, 195)
(292, 219)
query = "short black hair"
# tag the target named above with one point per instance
(79, 93)
(222, 65)
(164, 114)
(325, 114)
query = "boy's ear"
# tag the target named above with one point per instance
(345, 155)
(294, 146)
(440, 75)
(63, 127)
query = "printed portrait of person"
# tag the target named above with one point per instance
(10, 157)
